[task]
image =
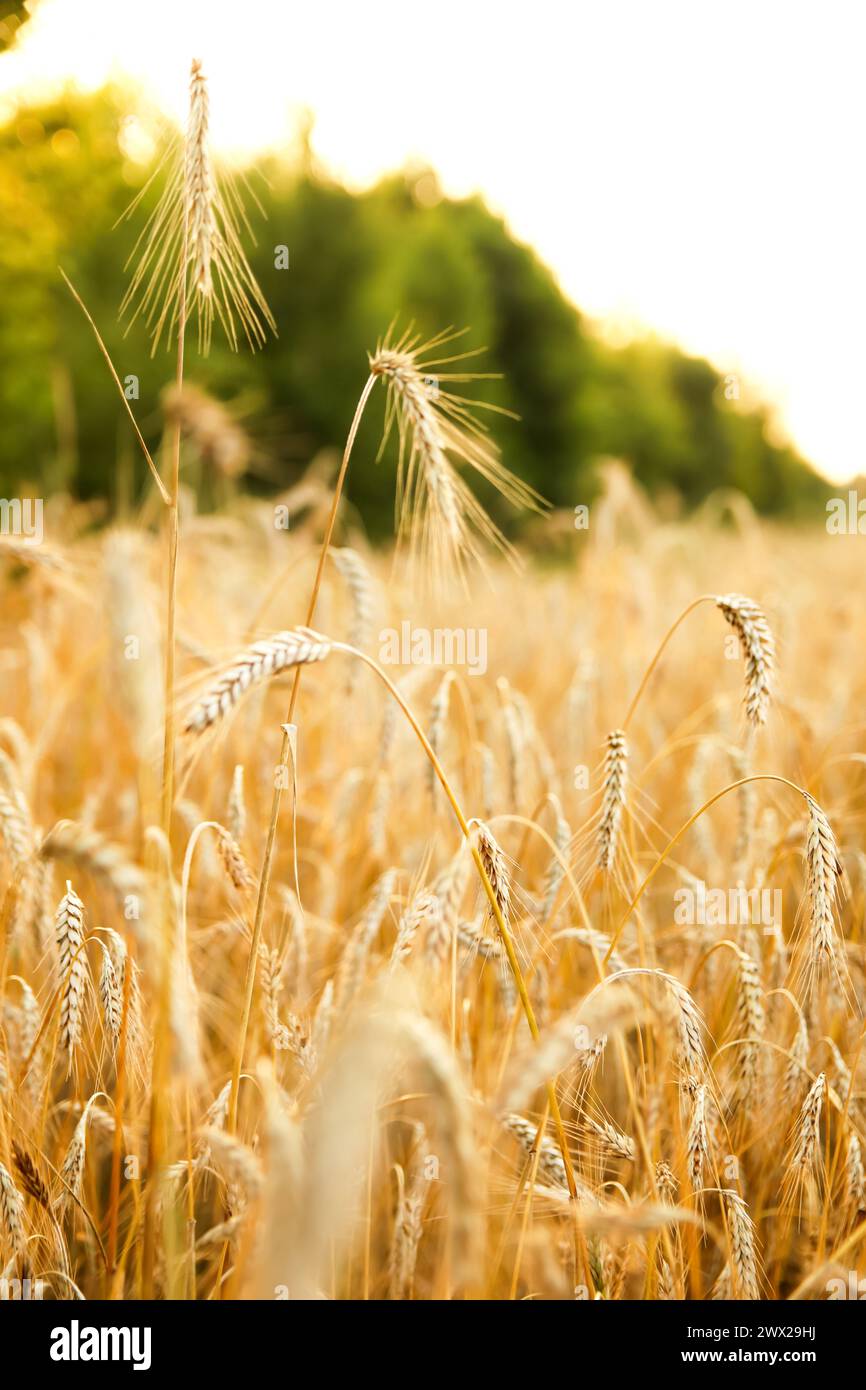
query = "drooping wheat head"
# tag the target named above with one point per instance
(260, 662)
(759, 652)
(438, 516)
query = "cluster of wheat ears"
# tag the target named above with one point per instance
(320, 978)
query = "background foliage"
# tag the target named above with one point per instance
(356, 261)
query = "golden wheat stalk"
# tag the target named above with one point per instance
(11, 1211)
(189, 260)
(744, 1260)
(260, 662)
(437, 514)
(612, 799)
(72, 963)
(759, 652)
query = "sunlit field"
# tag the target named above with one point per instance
(688, 1123)
(463, 917)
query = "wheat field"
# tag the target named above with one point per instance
(444, 921)
(394, 1136)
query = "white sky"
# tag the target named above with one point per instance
(685, 167)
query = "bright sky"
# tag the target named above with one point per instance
(684, 167)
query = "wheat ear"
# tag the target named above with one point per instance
(11, 1211)
(805, 1150)
(437, 513)
(744, 1261)
(260, 662)
(750, 1024)
(69, 932)
(758, 648)
(823, 870)
(495, 866)
(856, 1176)
(698, 1139)
(612, 798)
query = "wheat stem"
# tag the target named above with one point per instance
(489, 889)
(157, 1137)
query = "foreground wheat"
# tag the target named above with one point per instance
(384, 1008)
(420, 1056)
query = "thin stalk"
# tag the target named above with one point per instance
(156, 1134)
(841, 1129)
(119, 1103)
(527, 1207)
(267, 861)
(705, 598)
(501, 924)
(732, 786)
(163, 491)
(173, 543)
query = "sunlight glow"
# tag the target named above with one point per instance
(688, 170)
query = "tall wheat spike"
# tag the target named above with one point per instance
(72, 965)
(759, 652)
(437, 514)
(260, 662)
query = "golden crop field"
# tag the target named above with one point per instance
(398, 1131)
(449, 923)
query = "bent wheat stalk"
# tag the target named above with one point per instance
(675, 839)
(276, 799)
(756, 643)
(422, 425)
(493, 891)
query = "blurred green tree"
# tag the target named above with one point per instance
(356, 262)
